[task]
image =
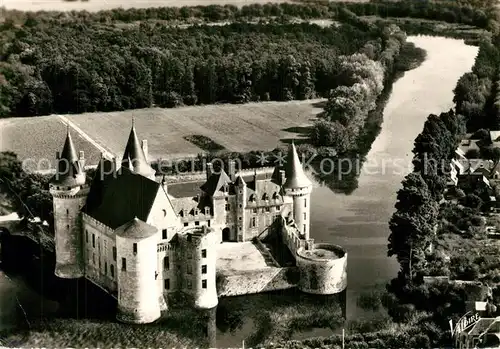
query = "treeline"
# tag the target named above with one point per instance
(480, 13)
(45, 70)
(349, 103)
(476, 93)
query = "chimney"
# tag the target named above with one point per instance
(282, 177)
(144, 146)
(232, 169)
(81, 155)
(209, 170)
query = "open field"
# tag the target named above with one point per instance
(38, 139)
(98, 5)
(253, 126)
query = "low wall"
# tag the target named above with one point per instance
(256, 281)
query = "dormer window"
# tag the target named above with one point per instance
(181, 213)
(225, 188)
(196, 212)
(252, 198)
(207, 210)
(265, 196)
(275, 196)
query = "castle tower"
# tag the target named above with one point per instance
(241, 200)
(134, 157)
(138, 294)
(199, 276)
(69, 192)
(299, 187)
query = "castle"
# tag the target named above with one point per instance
(127, 234)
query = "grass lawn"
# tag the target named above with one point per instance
(253, 126)
(38, 139)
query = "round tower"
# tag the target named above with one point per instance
(200, 279)
(138, 295)
(299, 187)
(69, 191)
(322, 269)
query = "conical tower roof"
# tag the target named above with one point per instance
(295, 176)
(69, 171)
(134, 158)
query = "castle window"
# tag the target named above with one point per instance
(268, 209)
(167, 284)
(239, 218)
(305, 202)
(105, 268)
(203, 269)
(93, 240)
(166, 263)
(124, 264)
(164, 213)
(196, 212)
(112, 270)
(86, 236)
(186, 224)
(265, 197)
(164, 234)
(241, 205)
(203, 283)
(207, 210)
(203, 253)
(67, 226)
(277, 208)
(134, 246)
(67, 211)
(208, 223)
(275, 196)
(253, 222)
(304, 229)
(305, 216)
(189, 284)
(228, 207)
(93, 258)
(254, 210)
(114, 254)
(252, 198)
(189, 269)
(197, 223)
(181, 213)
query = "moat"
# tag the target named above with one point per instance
(359, 221)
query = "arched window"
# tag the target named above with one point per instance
(164, 213)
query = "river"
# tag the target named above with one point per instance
(359, 221)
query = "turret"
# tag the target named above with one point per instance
(134, 157)
(69, 192)
(299, 187)
(199, 268)
(138, 294)
(241, 201)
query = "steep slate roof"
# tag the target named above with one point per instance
(215, 182)
(295, 176)
(136, 229)
(74, 174)
(116, 201)
(189, 204)
(134, 158)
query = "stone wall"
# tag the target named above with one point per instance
(322, 275)
(256, 281)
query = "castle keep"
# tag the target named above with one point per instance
(128, 234)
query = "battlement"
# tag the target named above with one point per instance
(166, 246)
(95, 223)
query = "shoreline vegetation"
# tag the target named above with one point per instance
(352, 116)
